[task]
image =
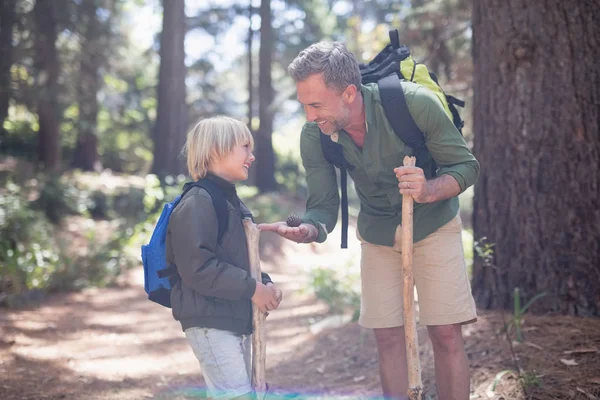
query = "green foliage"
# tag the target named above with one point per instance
(290, 175)
(339, 290)
(526, 379)
(28, 252)
(519, 312)
(485, 251)
(100, 266)
(38, 255)
(266, 207)
(56, 199)
(20, 139)
(529, 379)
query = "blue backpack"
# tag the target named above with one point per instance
(158, 276)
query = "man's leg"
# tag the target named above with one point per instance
(445, 302)
(451, 364)
(392, 362)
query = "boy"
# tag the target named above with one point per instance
(213, 300)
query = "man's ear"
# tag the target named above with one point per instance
(349, 93)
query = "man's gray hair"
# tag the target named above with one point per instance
(338, 66)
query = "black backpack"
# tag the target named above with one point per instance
(393, 64)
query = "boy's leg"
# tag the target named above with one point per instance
(222, 359)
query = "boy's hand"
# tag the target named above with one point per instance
(265, 298)
(305, 233)
(277, 291)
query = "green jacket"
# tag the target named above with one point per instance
(373, 175)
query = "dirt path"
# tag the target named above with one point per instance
(114, 344)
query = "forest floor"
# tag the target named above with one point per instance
(112, 343)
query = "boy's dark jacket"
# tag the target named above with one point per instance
(215, 287)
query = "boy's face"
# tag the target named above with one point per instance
(234, 166)
(324, 105)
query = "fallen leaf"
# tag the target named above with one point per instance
(581, 350)
(569, 363)
(589, 395)
(595, 380)
(535, 346)
(358, 378)
(320, 370)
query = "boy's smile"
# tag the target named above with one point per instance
(234, 165)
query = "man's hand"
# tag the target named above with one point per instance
(305, 233)
(266, 298)
(412, 182)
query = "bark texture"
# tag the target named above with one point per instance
(48, 69)
(171, 118)
(537, 124)
(265, 157)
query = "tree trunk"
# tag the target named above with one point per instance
(7, 20)
(48, 68)
(86, 150)
(250, 67)
(265, 157)
(171, 118)
(251, 11)
(536, 124)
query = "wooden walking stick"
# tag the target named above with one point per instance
(415, 386)
(259, 342)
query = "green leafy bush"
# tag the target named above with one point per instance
(339, 288)
(56, 199)
(28, 251)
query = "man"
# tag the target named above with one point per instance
(329, 87)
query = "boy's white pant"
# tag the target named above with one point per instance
(225, 360)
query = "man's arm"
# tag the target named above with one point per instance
(323, 200)
(458, 168)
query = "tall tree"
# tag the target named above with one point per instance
(251, 87)
(250, 66)
(537, 124)
(92, 56)
(265, 157)
(8, 15)
(171, 118)
(48, 71)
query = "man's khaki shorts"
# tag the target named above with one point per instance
(443, 287)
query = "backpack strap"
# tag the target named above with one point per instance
(397, 113)
(394, 38)
(344, 182)
(220, 204)
(334, 154)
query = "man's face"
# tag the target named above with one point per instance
(323, 105)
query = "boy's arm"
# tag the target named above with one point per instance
(194, 239)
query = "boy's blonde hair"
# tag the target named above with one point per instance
(211, 139)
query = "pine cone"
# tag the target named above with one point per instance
(293, 220)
